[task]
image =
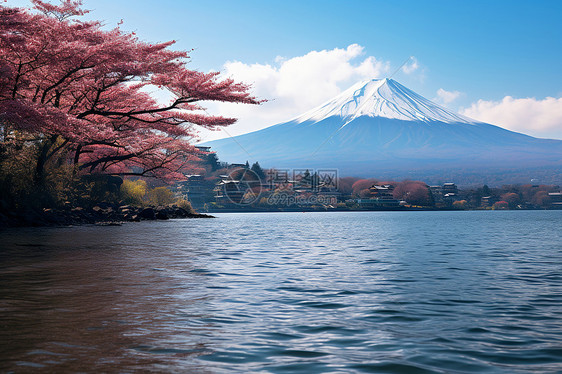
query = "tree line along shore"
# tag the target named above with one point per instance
(241, 187)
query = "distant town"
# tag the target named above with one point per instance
(223, 187)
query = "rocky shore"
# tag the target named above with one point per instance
(103, 214)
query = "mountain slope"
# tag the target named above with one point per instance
(379, 127)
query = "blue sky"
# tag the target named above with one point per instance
(471, 50)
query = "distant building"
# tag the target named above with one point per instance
(487, 201)
(229, 191)
(377, 203)
(383, 192)
(449, 188)
(437, 195)
(203, 149)
(381, 197)
(436, 190)
(556, 198)
(195, 190)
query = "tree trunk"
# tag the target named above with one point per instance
(42, 158)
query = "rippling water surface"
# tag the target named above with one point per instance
(383, 292)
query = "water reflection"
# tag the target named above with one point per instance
(87, 303)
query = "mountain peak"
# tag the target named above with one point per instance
(382, 98)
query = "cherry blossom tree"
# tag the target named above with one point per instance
(78, 94)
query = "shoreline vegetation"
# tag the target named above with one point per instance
(90, 199)
(240, 188)
(102, 214)
(111, 200)
(114, 215)
(105, 214)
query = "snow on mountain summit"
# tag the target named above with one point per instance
(382, 98)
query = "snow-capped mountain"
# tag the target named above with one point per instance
(382, 98)
(380, 128)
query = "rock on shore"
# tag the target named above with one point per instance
(100, 214)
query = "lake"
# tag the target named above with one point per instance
(341, 292)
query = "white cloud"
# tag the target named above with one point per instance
(541, 118)
(294, 85)
(446, 97)
(411, 66)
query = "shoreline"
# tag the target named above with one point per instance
(363, 210)
(124, 214)
(101, 214)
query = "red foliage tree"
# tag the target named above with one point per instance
(542, 199)
(413, 192)
(345, 185)
(511, 198)
(361, 185)
(500, 205)
(365, 194)
(528, 192)
(79, 94)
